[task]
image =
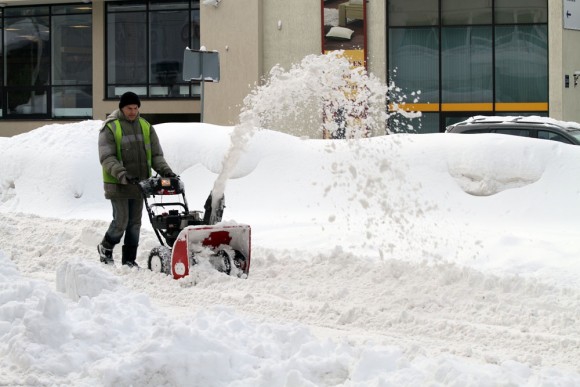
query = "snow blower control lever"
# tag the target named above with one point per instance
(168, 218)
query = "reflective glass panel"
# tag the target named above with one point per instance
(168, 5)
(126, 6)
(127, 48)
(194, 33)
(425, 123)
(72, 59)
(25, 11)
(413, 13)
(72, 101)
(521, 63)
(466, 64)
(72, 9)
(167, 53)
(466, 12)
(414, 61)
(521, 11)
(27, 66)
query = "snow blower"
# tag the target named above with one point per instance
(187, 238)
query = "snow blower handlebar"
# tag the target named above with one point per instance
(161, 186)
(176, 214)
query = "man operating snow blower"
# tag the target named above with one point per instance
(128, 150)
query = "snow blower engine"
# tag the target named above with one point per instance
(187, 238)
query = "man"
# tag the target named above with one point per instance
(128, 149)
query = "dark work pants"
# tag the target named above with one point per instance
(127, 215)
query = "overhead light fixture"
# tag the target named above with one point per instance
(215, 3)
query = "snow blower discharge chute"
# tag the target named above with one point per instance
(187, 237)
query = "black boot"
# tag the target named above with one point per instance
(105, 250)
(129, 256)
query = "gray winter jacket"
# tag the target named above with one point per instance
(133, 154)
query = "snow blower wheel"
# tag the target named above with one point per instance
(183, 233)
(228, 259)
(240, 261)
(222, 261)
(160, 260)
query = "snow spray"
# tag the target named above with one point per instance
(322, 96)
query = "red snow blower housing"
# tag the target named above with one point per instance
(187, 238)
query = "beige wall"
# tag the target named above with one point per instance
(555, 58)
(376, 39)
(564, 60)
(233, 29)
(298, 35)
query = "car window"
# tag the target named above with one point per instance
(472, 131)
(547, 135)
(514, 132)
(575, 134)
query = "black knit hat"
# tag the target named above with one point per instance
(129, 98)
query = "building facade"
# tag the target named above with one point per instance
(64, 61)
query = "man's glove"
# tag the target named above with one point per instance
(131, 179)
(169, 174)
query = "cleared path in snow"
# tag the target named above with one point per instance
(425, 309)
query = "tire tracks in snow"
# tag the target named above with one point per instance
(423, 308)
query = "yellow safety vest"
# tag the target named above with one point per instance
(118, 133)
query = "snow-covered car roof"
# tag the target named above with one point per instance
(527, 126)
(520, 119)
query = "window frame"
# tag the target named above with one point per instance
(448, 109)
(149, 89)
(47, 89)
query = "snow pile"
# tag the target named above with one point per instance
(371, 265)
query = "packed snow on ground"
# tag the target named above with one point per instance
(400, 260)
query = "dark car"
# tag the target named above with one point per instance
(534, 127)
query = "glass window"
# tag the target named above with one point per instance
(425, 123)
(72, 101)
(47, 62)
(194, 30)
(466, 12)
(168, 5)
(126, 6)
(72, 59)
(166, 56)
(466, 64)
(414, 61)
(145, 44)
(25, 11)
(521, 11)
(513, 132)
(27, 56)
(449, 120)
(413, 12)
(126, 48)
(71, 9)
(72, 64)
(521, 66)
(547, 135)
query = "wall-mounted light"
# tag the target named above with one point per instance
(215, 3)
